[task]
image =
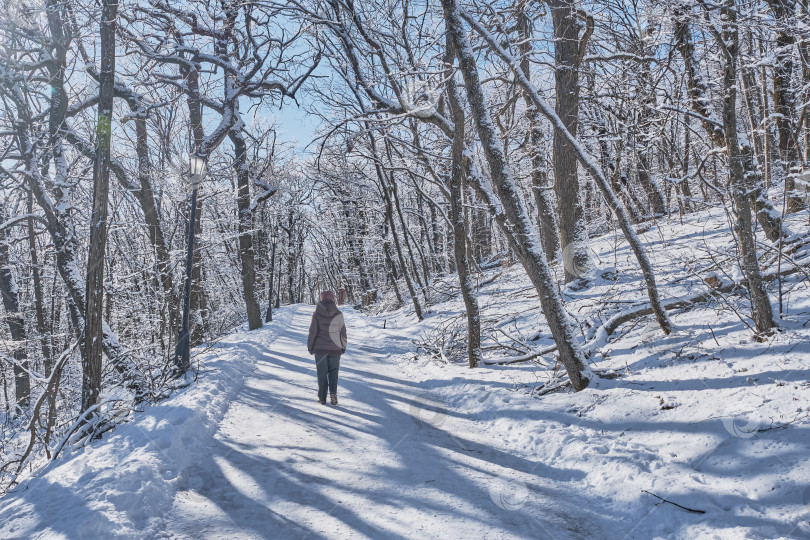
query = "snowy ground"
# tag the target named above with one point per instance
(418, 448)
(707, 417)
(389, 461)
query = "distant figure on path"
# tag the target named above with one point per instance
(327, 341)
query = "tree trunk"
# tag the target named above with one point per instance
(394, 196)
(784, 101)
(425, 237)
(523, 242)
(391, 268)
(572, 224)
(653, 191)
(753, 102)
(482, 240)
(246, 253)
(45, 337)
(456, 185)
(291, 258)
(768, 149)
(437, 241)
(646, 94)
(805, 52)
(142, 191)
(60, 228)
(91, 367)
(618, 181)
(549, 231)
(16, 324)
(740, 181)
(355, 240)
(146, 199)
(686, 190)
(389, 215)
(197, 316)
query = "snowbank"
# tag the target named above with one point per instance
(123, 485)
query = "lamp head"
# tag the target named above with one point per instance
(198, 168)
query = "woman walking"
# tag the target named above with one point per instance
(327, 341)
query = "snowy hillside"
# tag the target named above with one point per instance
(707, 417)
(421, 446)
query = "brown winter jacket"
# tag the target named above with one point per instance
(327, 332)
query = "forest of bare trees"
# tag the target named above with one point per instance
(453, 136)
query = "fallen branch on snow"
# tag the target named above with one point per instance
(674, 503)
(522, 358)
(602, 333)
(613, 323)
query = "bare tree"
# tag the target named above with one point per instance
(91, 374)
(784, 100)
(590, 165)
(569, 49)
(14, 319)
(740, 155)
(549, 230)
(456, 184)
(769, 218)
(529, 251)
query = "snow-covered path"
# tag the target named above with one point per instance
(710, 418)
(385, 463)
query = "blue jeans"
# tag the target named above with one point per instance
(327, 366)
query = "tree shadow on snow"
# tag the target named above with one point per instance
(423, 462)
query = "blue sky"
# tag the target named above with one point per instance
(294, 124)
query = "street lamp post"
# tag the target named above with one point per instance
(269, 315)
(182, 354)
